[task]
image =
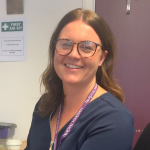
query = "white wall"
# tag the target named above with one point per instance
(19, 81)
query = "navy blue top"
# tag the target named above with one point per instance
(105, 124)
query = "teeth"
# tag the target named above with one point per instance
(72, 66)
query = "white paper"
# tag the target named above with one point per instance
(13, 39)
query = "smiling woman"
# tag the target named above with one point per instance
(82, 107)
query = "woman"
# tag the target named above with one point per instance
(82, 108)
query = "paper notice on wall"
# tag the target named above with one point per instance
(13, 40)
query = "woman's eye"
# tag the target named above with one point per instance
(88, 48)
(65, 45)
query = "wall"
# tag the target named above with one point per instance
(132, 67)
(19, 81)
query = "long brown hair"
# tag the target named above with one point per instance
(54, 95)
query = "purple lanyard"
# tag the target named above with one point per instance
(73, 121)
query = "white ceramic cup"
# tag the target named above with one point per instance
(13, 144)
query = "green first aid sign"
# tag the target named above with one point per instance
(12, 26)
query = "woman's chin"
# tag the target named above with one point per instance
(71, 82)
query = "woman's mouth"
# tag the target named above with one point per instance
(73, 66)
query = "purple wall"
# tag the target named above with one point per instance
(132, 69)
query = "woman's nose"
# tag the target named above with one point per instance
(74, 53)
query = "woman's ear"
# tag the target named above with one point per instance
(103, 56)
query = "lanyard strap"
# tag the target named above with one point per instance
(75, 118)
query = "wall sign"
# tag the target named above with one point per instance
(12, 26)
(13, 39)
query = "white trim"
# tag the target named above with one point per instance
(88, 4)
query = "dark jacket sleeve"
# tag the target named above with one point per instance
(28, 139)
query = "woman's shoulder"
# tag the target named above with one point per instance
(109, 101)
(36, 108)
(109, 106)
(108, 112)
(36, 111)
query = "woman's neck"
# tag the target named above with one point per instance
(76, 95)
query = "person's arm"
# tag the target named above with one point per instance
(111, 131)
(28, 139)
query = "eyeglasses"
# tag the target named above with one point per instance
(84, 48)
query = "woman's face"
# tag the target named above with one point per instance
(65, 66)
